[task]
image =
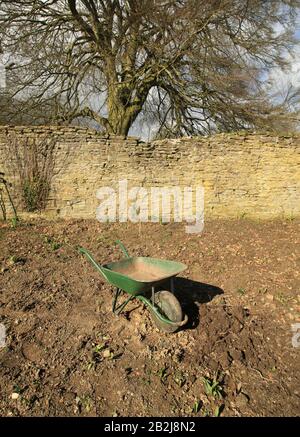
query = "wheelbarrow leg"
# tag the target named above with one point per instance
(116, 295)
(117, 309)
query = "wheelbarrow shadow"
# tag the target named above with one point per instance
(192, 293)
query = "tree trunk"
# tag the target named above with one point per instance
(122, 112)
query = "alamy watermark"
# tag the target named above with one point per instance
(296, 334)
(2, 335)
(153, 204)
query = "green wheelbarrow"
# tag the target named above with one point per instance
(140, 276)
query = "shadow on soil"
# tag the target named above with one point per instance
(192, 293)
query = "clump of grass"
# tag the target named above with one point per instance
(147, 379)
(179, 378)
(18, 389)
(217, 411)
(14, 259)
(91, 365)
(54, 245)
(84, 402)
(162, 373)
(280, 297)
(290, 218)
(34, 192)
(241, 291)
(99, 347)
(105, 239)
(213, 387)
(208, 412)
(196, 407)
(14, 222)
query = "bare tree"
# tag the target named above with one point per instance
(192, 65)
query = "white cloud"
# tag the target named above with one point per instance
(281, 81)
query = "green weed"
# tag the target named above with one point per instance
(212, 387)
(196, 407)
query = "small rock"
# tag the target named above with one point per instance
(106, 353)
(15, 395)
(242, 400)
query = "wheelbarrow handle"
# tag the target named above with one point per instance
(122, 248)
(92, 261)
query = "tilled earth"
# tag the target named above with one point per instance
(66, 353)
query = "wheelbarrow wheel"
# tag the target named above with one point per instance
(169, 307)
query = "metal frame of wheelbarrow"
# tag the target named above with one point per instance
(140, 286)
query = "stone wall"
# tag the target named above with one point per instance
(243, 174)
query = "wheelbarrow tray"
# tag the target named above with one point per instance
(136, 275)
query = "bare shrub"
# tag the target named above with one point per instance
(32, 160)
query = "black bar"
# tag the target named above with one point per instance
(132, 426)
